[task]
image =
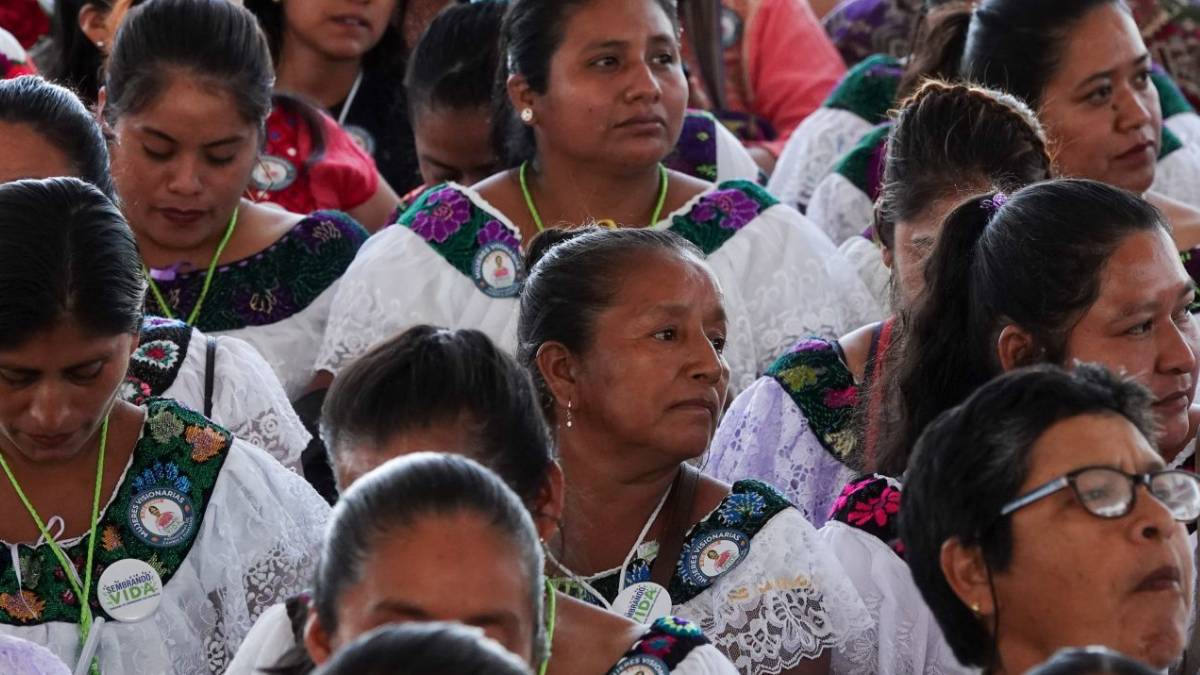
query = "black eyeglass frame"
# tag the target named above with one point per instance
(1135, 479)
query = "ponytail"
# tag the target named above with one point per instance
(937, 47)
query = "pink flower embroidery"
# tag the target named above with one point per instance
(842, 398)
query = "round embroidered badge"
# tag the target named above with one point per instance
(714, 554)
(642, 664)
(362, 137)
(498, 270)
(161, 517)
(272, 174)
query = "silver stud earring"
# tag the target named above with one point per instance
(570, 417)
(527, 115)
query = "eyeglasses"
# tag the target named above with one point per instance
(1111, 493)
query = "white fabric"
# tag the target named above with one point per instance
(11, 48)
(1178, 175)
(786, 601)
(247, 397)
(764, 435)
(255, 547)
(905, 639)
(289, 345)
(812, 151)
(782, 280)
(733, 159)
(840, 209)
(21, 657)
(1185, 125)
(705, 660)
(866, 258)
(269, 639)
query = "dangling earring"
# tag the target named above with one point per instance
(570, 417)
(527, 115)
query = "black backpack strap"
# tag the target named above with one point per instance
(210, 368)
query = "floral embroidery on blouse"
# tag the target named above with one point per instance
(696, 152)
(666, 643)
(494, 231)
(871, 503)
(868, 89)
(157, 361)
(823, 388)
(719, 214)
(163, 461)
(446, 212)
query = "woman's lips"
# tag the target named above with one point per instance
(1138, 154)
(182, 216)
(1176, 402)
(1165, 578)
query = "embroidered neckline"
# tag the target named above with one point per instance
(869, 88)
(814, 376)
(181, 453)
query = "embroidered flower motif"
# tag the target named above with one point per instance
(263, 303)
(799, 377)
(849, 491)
(842, 398)
(67, 597)
(24, 607)
(111, 540)
(164, 474)
(445, 212)
(494, 230)
(843, 442)
(164, 426)
(658, 645)
(637, 572)
(162, 354)
(740, 507)
(683, 628)
(206, 443)
(733, 208)
(879, 509)
(157, 565)
(326, 231)
(134, 390)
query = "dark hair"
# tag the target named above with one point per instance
(974, 458)
(1011, 45)
(55, 114)
(429, 376)
(454, 64)
(574, 275)
(211, 39)
(1035, 262)
(424, 649)
(394, 496)
(74, 61)
(387, 56)
(65, 251)
(532, 32)
(1091, 661)
(950, 138)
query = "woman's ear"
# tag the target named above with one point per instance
(558, 368)
(316, 640)
(93, 23)
(522, 97)
(967, 574)
(547, 512)
(1016, 348)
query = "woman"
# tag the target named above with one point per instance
(592, 133)
(395, 534)
(800, 427)
(623, 332)
(1010, 495)
(449, 86)
(185, 109)
(425, 649)
(239, 531)
(456, 392)
(50, 134)
(350, 61)
(1103, 112)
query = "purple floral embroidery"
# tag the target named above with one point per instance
(445, 212)
(842, 398)
(494, 231)
(810, 345)
(733, 208)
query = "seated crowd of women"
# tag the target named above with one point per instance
(591, 398)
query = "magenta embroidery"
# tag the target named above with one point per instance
(734, 209)
(445, 212)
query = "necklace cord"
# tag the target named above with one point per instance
(208, 276)
(551, 621)
(663, 185)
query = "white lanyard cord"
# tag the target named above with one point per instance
(350, 99)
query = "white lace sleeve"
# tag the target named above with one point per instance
(733, 160)
(905, 639)
(1178, 175)
(248, 399)
(840, 209)
(269, 639)
(866, 258)
(811, 152)
(704, 660)
(764, 435)
(397, 281)
(21, 657)
(787, 601)
(784, 280)
(1185, 125)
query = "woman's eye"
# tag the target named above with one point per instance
(14, 378)
(221, 161)
(1100, 95)
(88, 372)
(718, 343)
(665, 334)
(1142, 79)
(1141, 328)
(157, 156)
(666, 58)
(605, 62)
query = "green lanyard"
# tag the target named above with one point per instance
(551, 617)
(84, 594)
(537, 217)
(208, 277)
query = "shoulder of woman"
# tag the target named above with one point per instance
(715, 215)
